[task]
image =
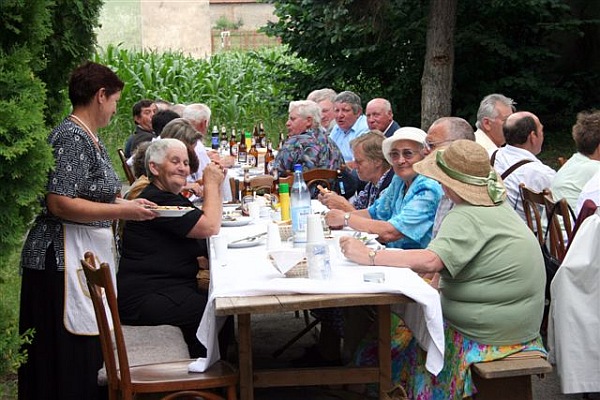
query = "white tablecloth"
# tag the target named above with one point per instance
(249, 273)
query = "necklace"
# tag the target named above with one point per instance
(85, 127)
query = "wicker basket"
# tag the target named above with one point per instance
(300, 270)
(285, 230)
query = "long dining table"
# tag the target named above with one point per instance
(247, 283)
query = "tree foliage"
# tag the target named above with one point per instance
(518, 48)
(40, 42)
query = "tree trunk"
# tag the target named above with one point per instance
(436, 92)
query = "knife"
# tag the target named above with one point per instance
(253, 237)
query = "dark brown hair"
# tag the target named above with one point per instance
(87, 79)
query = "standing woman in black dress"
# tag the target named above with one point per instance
(78, 208)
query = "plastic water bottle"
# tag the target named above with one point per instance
(300, 207)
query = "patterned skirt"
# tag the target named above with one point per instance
(454, 381)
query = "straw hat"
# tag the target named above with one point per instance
(464, 167)
(406, 133)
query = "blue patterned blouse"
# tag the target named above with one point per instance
(411, 213)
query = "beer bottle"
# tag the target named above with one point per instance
(340, 182)
(233, 144)
(275, 187)
(242, 150)
(262, 136)
(253, 154)
(269, 158)
(255, 135)
(214, 138)
(281, 139)
(224, 141)
(247, 188)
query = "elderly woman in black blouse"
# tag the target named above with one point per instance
(157, 272)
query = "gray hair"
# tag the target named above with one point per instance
(349, 98)
(182, 129)
(305, 109)
(487, 107)
(456, 127)
(322, 94)
(197, 112)
(157, 152)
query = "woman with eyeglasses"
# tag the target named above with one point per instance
(403, 215)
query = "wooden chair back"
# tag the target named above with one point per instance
(560, 225)
(261, 184)
(128, 172)
(533, 206)
(321, 176)
(125, 381)
(588, 208)
(327, 178)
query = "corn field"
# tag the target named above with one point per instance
(241, 88)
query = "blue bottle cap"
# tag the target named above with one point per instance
(297, 167)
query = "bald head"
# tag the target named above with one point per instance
(524, 129)
(379, 114)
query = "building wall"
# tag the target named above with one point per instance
(178, 25)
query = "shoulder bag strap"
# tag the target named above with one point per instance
(513, 167)
(493, 158)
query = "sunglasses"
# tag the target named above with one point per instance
(407, 154)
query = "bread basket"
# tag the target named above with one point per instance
(290, 262)
(285, 230)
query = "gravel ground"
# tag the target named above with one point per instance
(269, 332)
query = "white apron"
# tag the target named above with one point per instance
(79, 317)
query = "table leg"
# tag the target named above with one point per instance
(384, 349)
(245, 357)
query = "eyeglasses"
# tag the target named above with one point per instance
(430, 146)
(407, 154)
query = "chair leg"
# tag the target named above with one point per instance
(293, 340)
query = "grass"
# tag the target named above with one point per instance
(10, 288)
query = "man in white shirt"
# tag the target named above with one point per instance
(199, 116)
(325, 98)
(380, 117)
(493, 111)
(517, 162)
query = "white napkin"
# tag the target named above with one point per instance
(285, 259)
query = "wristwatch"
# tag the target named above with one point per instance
(346, 219)
(372, 254)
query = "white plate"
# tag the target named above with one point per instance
(246, 243)
(172, 212)
(239, 221)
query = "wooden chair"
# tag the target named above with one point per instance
(260, 184)
(128, 172)
(560, 223)
(125, 381)
(319, 176)
(533, 206)
(588, 208)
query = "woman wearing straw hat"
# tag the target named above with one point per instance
(492, 276)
